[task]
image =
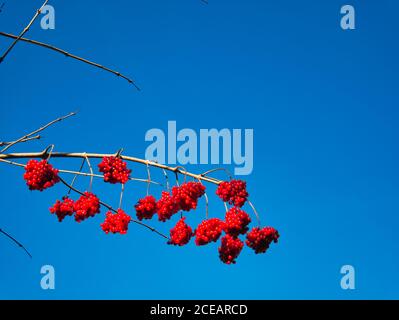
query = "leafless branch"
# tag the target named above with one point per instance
(19, 244)
(29, 135)
(26, 29)
(2, 144)
(67, 54)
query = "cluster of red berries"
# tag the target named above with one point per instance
(146, 208)
(234, 192)
(166, 207)
(260, 239)
(208, 231)
(114, 169)
(236, 222)
(230, 249)
(181, 233)
(187, 195)
(40, 175)
(88, 205)
(116, 222)
(184, 197)
(63, 208)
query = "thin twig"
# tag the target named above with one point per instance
(255, 212)
(121, 195)
(91, 173)
(17, 38)
(149, 179)
(36, 131)
(228, 173)
(19, 244)
(2, 144)
(76, 175)
(67, 54)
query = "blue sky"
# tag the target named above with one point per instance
(323, 106)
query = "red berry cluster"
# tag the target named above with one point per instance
(63, 208)
(116, 222)
(260, 239)
(88, 205)
(166, 207)
(233, 192)
(40, 175)
(236, 222)
(208, 231)
(181, 233)
(187, 195)
(114, 169)
(184, 197)
(146, 208)
(230, 249)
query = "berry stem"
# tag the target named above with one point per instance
(75, 176)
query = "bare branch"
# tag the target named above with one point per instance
(17, 38)
(27, 136)
(2, 144)
(67, 54)
(19, 244)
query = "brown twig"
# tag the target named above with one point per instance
(26, 29)
(2, 144)
(29, 135)
(67, 54)
(19, 244)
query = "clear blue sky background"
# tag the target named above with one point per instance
(324, 106)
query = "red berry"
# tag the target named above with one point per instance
(230, 249)
(181, 233)
(88, 205)
(146, 208)
(236, 222)
(114, 169)
(40, 175)
(233, 191)
(260, 239)
(116, 222)
(63, 208)
(208, 231)
(166, 207)
(187, 195)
